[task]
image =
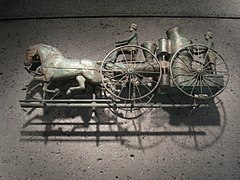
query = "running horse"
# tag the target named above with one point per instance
(48, 64)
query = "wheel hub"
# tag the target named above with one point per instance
(199, 70)
(130, 71)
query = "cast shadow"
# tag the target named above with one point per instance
(209, 118)
(100, 125)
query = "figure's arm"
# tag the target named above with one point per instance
(122, 41)
(126, 41)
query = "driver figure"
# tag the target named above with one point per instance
(132, 40)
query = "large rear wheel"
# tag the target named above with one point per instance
(130, 73)
(199, 71)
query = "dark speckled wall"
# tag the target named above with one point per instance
(32, 145)
(95, 8)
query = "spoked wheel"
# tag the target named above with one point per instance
(199, 71)
(130, 73)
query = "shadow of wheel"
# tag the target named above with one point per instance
(209, 120)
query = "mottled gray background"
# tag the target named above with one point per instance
(59, 145)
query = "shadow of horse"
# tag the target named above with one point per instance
(200, 129)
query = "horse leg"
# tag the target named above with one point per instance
(39, 78)
(35, 78)
(81, 80)
(45, 89)
(29, 91)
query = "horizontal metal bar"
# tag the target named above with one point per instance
(106, 105)
(111, 133)
(65, 100)
(71, 123)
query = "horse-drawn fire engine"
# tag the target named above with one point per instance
(131, 79)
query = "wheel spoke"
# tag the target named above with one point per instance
(186, 83)
(190, 52)
(200, 83)
(116, 65)
(133, 60)
(144, 77)
(129, 87)
(119, 75)
(124, 56)
(218, 85)
(183, 60)
(120, 91)
(120, 79)
(138, 90)
(188, 80)
(205, 65)
(181, 69)
(196, 80)
(209, 89)
(184, 75)
(198, 50)
(143, 84)
(190, 74)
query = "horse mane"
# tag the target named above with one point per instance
(46, 46)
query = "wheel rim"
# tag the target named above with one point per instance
(132, 76)
(199, 71)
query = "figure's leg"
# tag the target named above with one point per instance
(210, 62)
(114, 56)
(81, 80)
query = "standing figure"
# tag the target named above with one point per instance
(210, 57)
(132, 40)
(209, 38)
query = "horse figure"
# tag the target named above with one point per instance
(54, 66)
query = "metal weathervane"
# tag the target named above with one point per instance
(131, 78)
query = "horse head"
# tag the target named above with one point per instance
(39, 53)
(31, 56)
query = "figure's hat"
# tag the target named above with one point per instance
(134, 26)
